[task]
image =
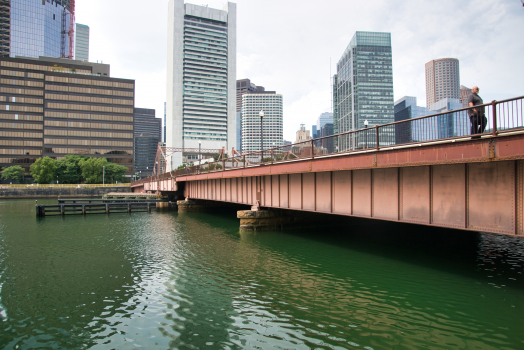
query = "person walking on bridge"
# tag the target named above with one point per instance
(477, 115)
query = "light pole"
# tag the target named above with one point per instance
(199, 147)
(366, 133)
(261, 135)
(103, 175)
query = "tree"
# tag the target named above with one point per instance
(43, 170)
(115, 172)
(68, 169)
(183, 166)
(92, 169)
(13, 173)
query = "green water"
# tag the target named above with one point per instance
(191, 281)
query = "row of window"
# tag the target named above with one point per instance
(21, 99)
(116, 118)
(21, 108)
(87, 125)
(22, 82)
(88, 99)
(89, 82)
(21, 126)
(20, 143)
(86, 90)
(90, 108)
(87, 142)
(28, 135)
(20, 91)
(93, 134)
(65, 150)
(22, 74)
(33, 152)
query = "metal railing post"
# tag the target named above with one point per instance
(378, 143)
(271, 155)
(312, 149)
(494, 109)
(244, 160)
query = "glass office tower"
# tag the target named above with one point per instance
(364, 83)
(82, 42)
(41, 28)
(201, 83)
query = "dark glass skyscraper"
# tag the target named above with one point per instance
(364, 83)
(147, 134)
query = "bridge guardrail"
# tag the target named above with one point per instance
(501, 117)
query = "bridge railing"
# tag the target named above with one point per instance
(501, 117)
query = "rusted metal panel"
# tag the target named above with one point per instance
(520, 197)
(308, 191)
(267, 191)
(234, 190)
(244, 190)
(222, 189)
(228, 190)
(323, 192)
(249, 189)
(362, 192)
(295, 191)
(355, 161)
(290, 168)
(449, 195)
(415, 195)
(275, 191)
(385, 193)
(342, 192)
(511, 147)
(491, 192)
(284, 191)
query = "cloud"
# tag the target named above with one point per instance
(286, 46)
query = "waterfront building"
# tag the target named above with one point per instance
(55, 107)
(147, 134)
(323, 119)
(406, 108)
(442, 80)
(201, 78)
(41, 28)
(464, 94)
(363, 87)
(273, 130)
(82, 42)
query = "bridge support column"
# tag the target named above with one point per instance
(271, 220)
(197, 205)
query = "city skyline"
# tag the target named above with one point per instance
(276, 61)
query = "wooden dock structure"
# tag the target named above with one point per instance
(96, 207)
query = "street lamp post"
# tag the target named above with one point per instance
(261, 136)
(103, 175)
(366, 133)
(199, 148)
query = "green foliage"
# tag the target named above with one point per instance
(214, 166)
(115, 172)
(68, 169)
(278, 156)
(292, 156)
(14, 173)
(92, 169)
(217, 155)
(43, 170)
(183, 166)
(266, 159)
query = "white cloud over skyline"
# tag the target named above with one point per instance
(286, 46)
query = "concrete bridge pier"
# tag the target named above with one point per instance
(198, 205)
(278, 219)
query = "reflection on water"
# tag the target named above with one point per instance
(190, 281)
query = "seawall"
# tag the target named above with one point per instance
(54, 192)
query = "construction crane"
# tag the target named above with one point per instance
(68, 33)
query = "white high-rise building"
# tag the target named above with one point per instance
(271, 104)
(201, 78)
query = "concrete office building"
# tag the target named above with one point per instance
(363, 84)
(201, 78)
(464, 94)
(41, 28)
(82, 42)
(442, 80)
(55, 107)
(273, 131)
(302, 134)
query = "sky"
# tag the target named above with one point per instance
(292, 47)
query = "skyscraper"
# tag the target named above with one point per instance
(364, 83)
(464, 94)
(82, 42)
(271, 103)
(442, 80)
(323, 119)
(42, 28)
(406, 108)
(245, 86)
(5, 27)
(147, 134)
(201, 77)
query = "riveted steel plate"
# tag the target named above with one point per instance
(385, 193)
(342, 192)
(362, 192)
(415, 194)
(323, 192)
(449, 195)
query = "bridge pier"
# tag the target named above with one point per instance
(197, 205)
(276, 219)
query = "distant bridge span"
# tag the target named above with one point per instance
(456, 183)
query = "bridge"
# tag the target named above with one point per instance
(425, 170)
